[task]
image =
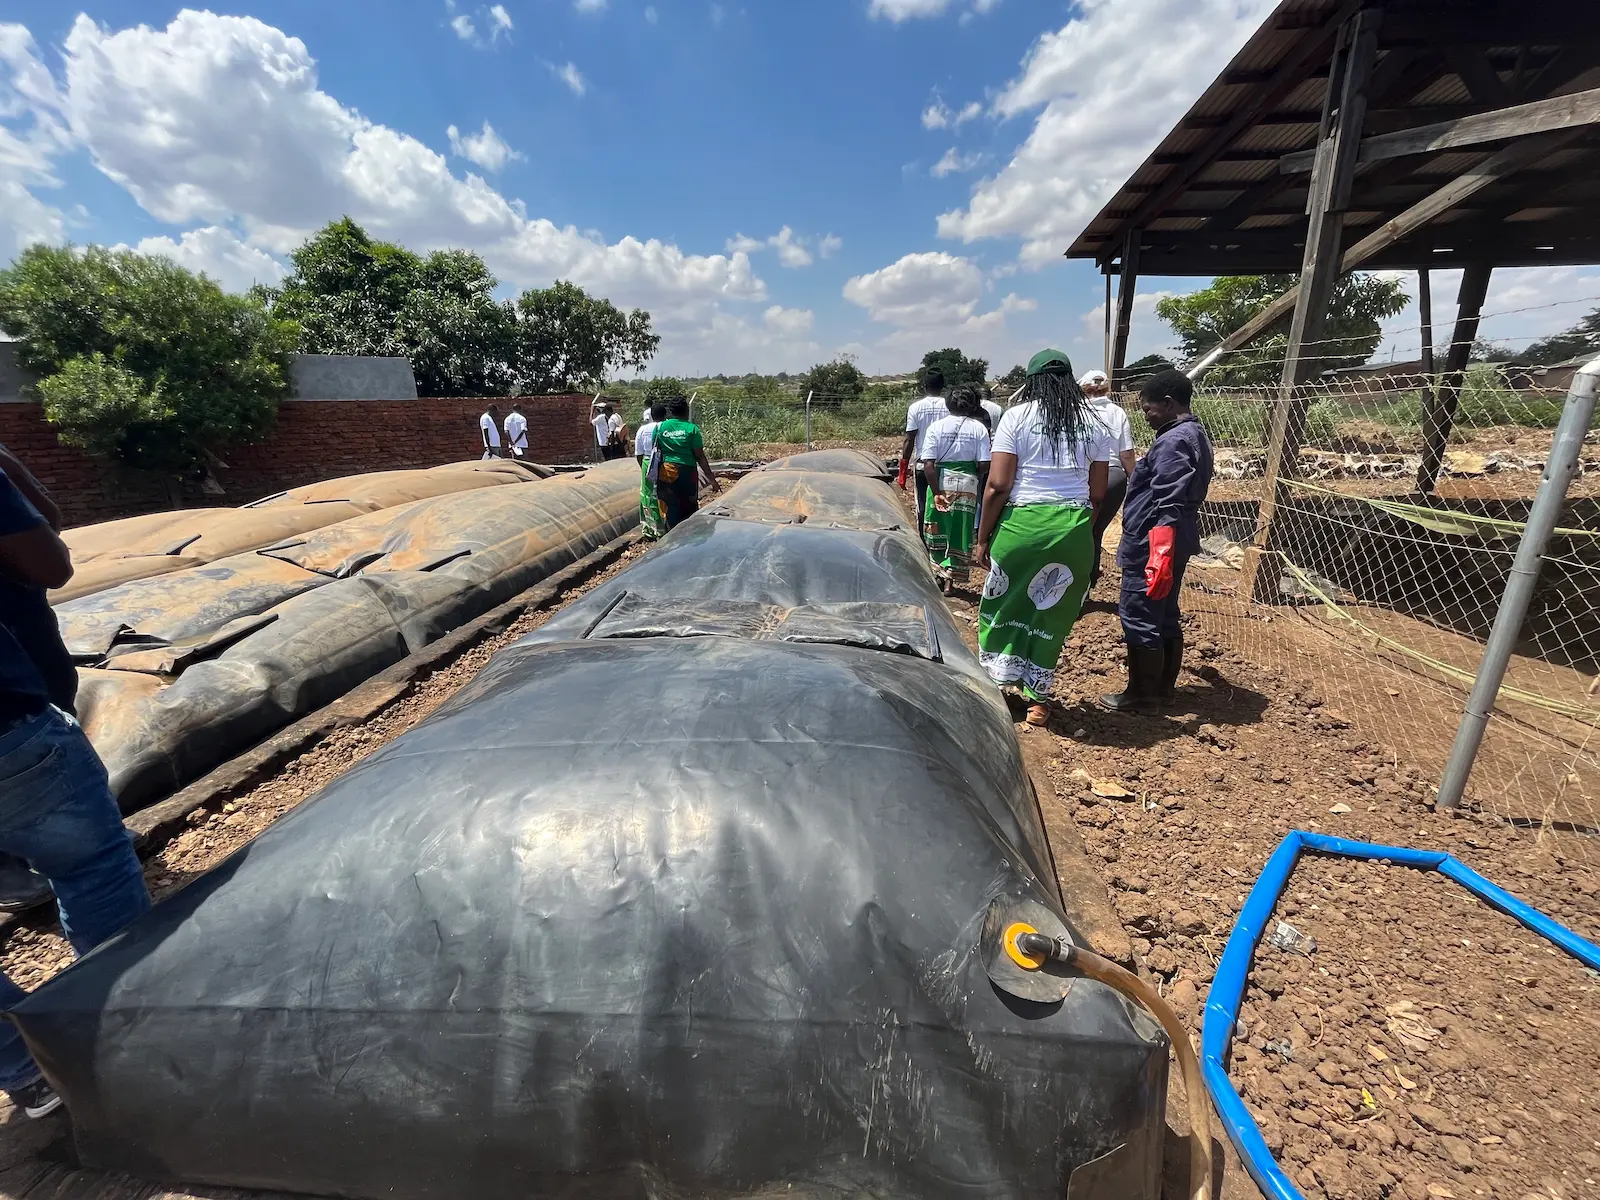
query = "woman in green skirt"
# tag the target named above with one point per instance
(1049, 468)
(955, 462)
(652, 516)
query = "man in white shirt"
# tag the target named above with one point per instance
(489, 431)
(644, 442)
(919, 416)
(601, 421)
(1114, 418)
(517, 432)
(994, 410)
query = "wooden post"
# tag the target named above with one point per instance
(1439, 412)
(1344, 112)
(1425, 308)
(1129, 280)
(1108, 322)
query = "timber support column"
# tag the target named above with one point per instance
(1439, 413)
(1125, 287)
(1344, 112)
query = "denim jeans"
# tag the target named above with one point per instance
(56, 811)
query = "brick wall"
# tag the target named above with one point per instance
(314, 440)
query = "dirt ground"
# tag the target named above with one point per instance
(1427, 1047)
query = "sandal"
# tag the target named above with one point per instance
(1038, 714)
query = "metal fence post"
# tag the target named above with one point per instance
(808, 417)
(1558, 474)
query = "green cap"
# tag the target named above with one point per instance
(1049, 360)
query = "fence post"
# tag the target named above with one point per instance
(808, 417)
(1546, 510)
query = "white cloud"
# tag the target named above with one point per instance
(216, 252)
(486, 147)
(651, 15)
(717, 14)
(1147, 334)
(905, 10)
(465, 29)
(791, 253)
(591, 6)
(985, 6)
(499, 21)
(1095, 126)
(954, 162)
(971, 111)
(1523, 304)
(791, 322)
(930, 290)
(830, 245)
(939, 115)
(33, 132)
(570, 75)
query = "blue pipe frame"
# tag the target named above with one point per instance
(1227, 986)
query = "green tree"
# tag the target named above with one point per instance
(141, 360)
(661, 389)
(834, 382)
(567, 338)
(1014, 378)
(1202, 319)
(1582, 339)
(1141, 369)
(351, 294)
(956, 366)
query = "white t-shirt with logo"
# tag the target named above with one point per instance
(602, 429)
(956, 439)
(1050, 473)
(995, 413)
(1115, 418)
(517, 431)
(491, 431)
(645, 440)
(920, 415)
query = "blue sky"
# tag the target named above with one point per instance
(777, 182)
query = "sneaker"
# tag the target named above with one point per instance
(37, 1099)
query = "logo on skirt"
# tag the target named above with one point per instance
(1049, 585)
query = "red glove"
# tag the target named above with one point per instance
(905, 466)
(1158, 570)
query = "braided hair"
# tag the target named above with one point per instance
(1062, 405)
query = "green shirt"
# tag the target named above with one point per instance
(678, 440)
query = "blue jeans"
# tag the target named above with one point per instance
(56, 811)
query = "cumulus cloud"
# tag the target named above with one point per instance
(486, 148)
(905, 10)
(499, 21)
(569, 74)
(217, 252)
(33, 133)
(789, 321)
(791, 253)
(939, 115)
(929, 291)
(830, 245)
(1095, 126)
(954, 163)
(791, 248)
(595, 6)
(465, 29)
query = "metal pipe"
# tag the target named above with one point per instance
(1558, 475)
(1204, 364)
(809, 394)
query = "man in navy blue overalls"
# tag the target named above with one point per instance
(1160, 531)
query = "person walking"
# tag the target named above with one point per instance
(1049, 465)
(652, 520)
(1160, 532)
(1097, 388)
(683, 455)
(517, 432)
(921, 413)
(991, 409)
(56, 808)
(955, 463)
(489, 430)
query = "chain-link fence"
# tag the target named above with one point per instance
(1375, 568)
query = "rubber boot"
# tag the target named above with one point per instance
(1172, 663)
(1143, 693)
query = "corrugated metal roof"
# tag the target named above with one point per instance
(1267, 103)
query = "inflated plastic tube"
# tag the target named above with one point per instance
(1227, 987)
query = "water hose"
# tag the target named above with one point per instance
(1031, 950)
(1227, 986)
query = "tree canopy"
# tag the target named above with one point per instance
(956, 367)
(834, 382)
(1202, 319)
(1141, 369)
(1582, 339)
(141, 360)
(1014, 378)
(353, 294)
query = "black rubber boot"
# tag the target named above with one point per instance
(1143, 693)
(1172, 663)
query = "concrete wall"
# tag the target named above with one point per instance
(314, 440)
(350, 377)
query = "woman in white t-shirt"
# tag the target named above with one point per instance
(1114, 417)
(1036, 535)
(652, 517)
(955, 463)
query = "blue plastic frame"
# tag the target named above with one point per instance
(1227, 987)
